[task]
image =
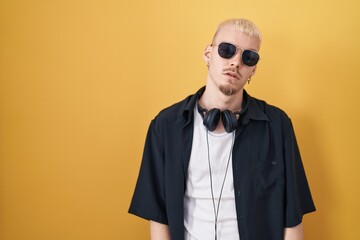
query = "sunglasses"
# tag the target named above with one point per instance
(227, 50)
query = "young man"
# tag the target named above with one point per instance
(221, 164)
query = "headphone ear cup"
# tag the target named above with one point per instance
(211, 119)
(229, 120)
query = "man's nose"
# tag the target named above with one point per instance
(236, 60)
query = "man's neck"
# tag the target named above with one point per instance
(214, 98)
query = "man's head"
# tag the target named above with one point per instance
(232, 56)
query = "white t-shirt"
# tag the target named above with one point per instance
(199, 216)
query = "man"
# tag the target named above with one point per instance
(221, 164)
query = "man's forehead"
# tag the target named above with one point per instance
(237, 37)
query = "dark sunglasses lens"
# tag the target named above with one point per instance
(226, 50)
(250, 58)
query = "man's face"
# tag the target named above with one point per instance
(230, 75)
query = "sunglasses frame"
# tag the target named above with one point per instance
(237, 49)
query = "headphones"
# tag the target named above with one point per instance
(212, 117)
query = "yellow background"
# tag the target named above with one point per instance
(81, 80)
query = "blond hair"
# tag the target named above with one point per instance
(243, 25)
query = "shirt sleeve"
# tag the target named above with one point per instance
(148, 201)
(298, 196)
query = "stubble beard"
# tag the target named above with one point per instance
(227, 90)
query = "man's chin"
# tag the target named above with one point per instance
(227, 90)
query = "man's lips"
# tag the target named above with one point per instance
(232, 74)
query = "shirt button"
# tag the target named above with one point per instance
(274, 163)
(238, 193)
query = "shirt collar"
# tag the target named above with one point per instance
(250, 108)
(253, 110)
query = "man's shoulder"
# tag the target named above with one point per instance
(175, 110)
(271, 111)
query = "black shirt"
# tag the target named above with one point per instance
(271, 189)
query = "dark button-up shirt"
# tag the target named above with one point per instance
(271, 189)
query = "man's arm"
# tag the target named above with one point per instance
(159, 231)
(294, 233)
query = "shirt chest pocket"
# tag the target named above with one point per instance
(269, 178)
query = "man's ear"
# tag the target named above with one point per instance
(207, 52)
